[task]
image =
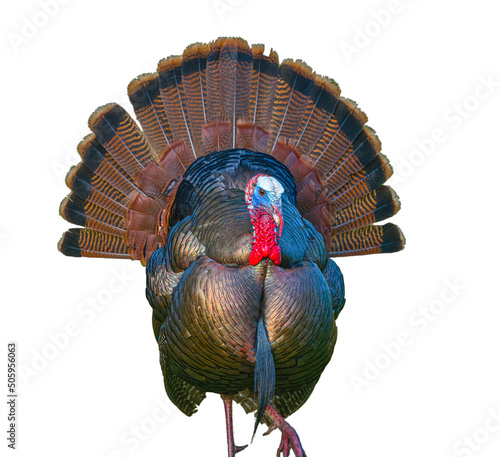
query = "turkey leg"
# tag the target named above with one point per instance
(289, 437)
(232, 449)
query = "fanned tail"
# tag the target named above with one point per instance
(120, 191)
(219, 96)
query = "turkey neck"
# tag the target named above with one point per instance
(265, 239)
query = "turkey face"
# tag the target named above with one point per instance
(267, 197)
(263, 198)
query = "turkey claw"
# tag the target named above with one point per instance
(290, 440)
(239, 448)
(270, 429)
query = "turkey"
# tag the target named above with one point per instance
(246, 177)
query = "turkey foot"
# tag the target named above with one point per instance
(289, 437)
(232, 449)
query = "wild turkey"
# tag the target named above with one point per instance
(246, 177)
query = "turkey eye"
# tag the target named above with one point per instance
(262, 192)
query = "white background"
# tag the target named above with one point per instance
(425, 68)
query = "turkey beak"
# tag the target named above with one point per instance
(277, 216)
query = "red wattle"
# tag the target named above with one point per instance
(264, 242)
(275, 255)
(255, 257)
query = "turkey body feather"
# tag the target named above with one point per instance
(247, 175)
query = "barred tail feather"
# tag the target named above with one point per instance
(144, 94)
(322, 102)
(373, 239)
(89, 243)
(235, 68)
(174, 101)
(292, 95)
(194, 81)
(264, 80)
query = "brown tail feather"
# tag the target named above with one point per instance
(357, 156)
(251, 136)
(174, 158)
(194, 81)
(373, 239)
(235, 68)
(324, 98)
(89, 243)
(214, 108)
(174, 101)
(293, 90)
(264, 80)
(144, 94)
(217, 136)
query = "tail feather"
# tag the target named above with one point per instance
(213, 82)
(264, 80)
(194, 81)
(251, 136)
(217, 136)
(144, 94)
(174, 101)
(176, 158)
(324, 98)
(293, 90)
(235, 68)
(373, 239)
(90, 243)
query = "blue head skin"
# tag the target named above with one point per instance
(267, 197)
